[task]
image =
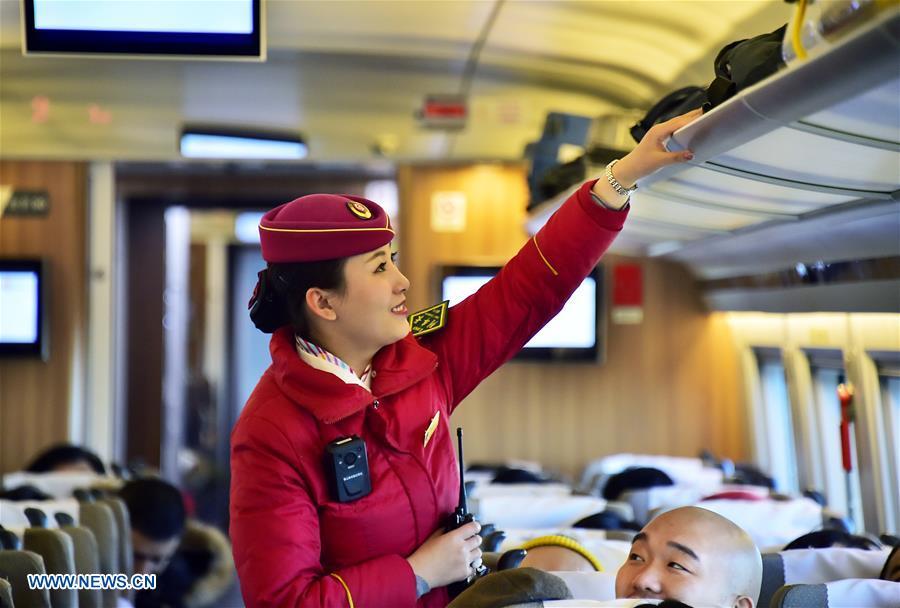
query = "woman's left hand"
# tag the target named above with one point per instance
(650, 154)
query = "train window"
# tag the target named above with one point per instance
(890, 399)
(778, 424)
(828, 413)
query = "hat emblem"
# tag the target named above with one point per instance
(359, 210)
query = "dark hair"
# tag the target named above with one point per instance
(635, 478)
(821, 539)
(63, 454)
(513, 475)
(281, 299)
(26, 492)
(155, 506)
(606, 520)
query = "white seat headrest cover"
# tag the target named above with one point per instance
(812, 566)
(547, 511)
(770, 522)
(871, 593)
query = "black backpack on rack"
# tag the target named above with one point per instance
(738, 65)
(743, 63)
(674, 104)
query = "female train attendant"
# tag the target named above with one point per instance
(343, 463)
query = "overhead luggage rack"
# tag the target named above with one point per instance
(818, 136)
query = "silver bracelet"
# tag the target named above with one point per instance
(619, 188)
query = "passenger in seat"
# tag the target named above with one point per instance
(192, 560)
(157, 521)
(66, 457)
(695, 556)
(690, 557)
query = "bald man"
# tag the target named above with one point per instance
(694, 556)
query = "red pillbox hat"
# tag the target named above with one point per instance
(323, 227)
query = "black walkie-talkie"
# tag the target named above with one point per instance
(461, 517)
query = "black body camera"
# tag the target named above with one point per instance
(347, 469)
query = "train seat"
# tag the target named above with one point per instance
(6, 600)
(59, 484)
(87, 561)
(597, 586)
(610, 552)
(12, 513)
(682, 470)
(547, 511)
(817, 566)
(58, 552)
(15, 566)
(101, 521)
(521, 489)
(123, 524)
(771, 523)
(850, 593)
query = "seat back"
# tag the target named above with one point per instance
(6, 600)
(597, 586)
(12, 513)
(811, 566)
(15, 566)
(609, 552)
(59, 558)
(123, 523)
(850, 593)
(99, 519)
(772, 577)
(771, 523)
(537, 511)
(59, 484)
(87, 561)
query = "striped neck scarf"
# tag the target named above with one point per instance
(309, 348)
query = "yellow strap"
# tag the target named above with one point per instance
(346, 588)
(552, 269)
(797, 29)
(558, 540)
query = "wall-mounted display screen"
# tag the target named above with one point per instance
(575, 334)
(210, 28)
(243, 144)
(21, 308)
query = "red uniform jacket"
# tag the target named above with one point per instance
(293, 545)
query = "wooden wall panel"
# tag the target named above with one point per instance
(668, 386)
(35, 396)
(144, 301)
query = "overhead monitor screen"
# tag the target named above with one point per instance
(18, 307)
(222, 145)
(21, 331)
(213, 28)
(572, 334)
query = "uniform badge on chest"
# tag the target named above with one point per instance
(432, 427)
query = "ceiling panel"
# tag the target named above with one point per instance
(382, 27)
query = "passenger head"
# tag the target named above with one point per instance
(634, 478)
(66, 457)
(330, 273)
(157, 516)
(694, 556)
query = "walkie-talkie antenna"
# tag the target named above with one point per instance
(462, 475)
